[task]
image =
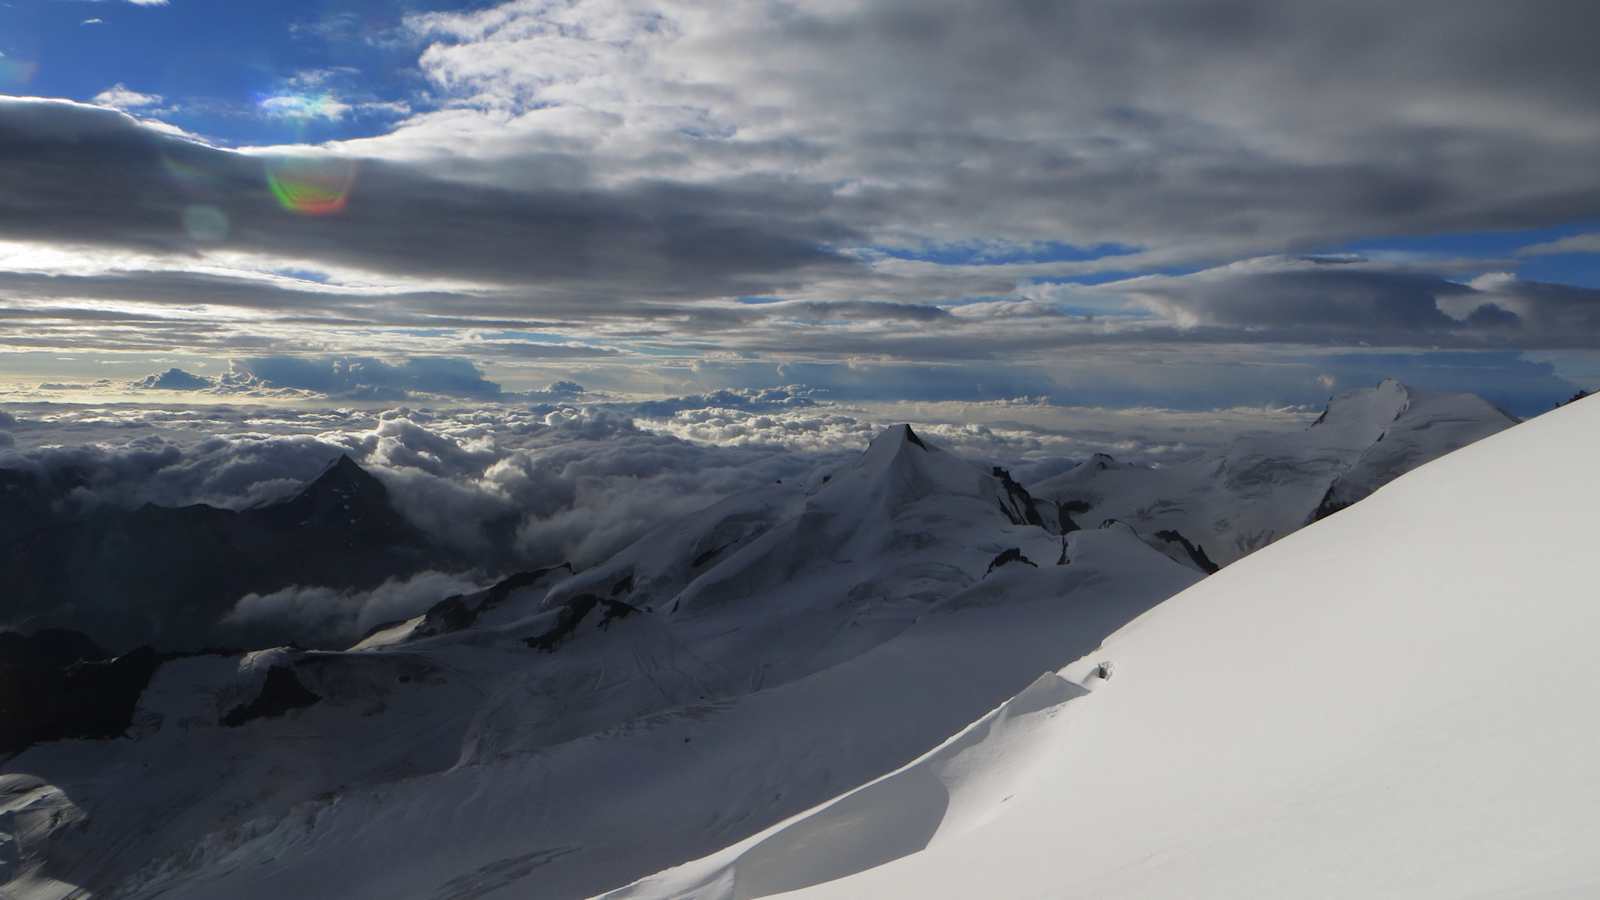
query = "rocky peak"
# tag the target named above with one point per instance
(344, 494)
(345, 478)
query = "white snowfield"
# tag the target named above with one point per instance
(1399, 701)
(1264, 487)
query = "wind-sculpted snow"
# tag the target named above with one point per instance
(1392, 702)
(946, 793)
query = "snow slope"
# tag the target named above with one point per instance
(1395, 702)
(558, 739)
(1263, 488)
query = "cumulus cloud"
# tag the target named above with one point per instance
(747, 400)
(1264, 110)
(323, 617)
(120, 96)
(513, 487)
(693, 179)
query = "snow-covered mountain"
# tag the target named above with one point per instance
(1263, 488)
(560, 734)
(1393, 702)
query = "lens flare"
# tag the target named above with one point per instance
(303, 107)
(312, 187)
(15, 72)
(205, 223)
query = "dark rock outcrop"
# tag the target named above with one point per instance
(50, 690)
(48, 648)
(1064, 511)
(460, 611)
(1197, 553)
(567, 620)
(570, 616)
(1018, 504)
(1329, 504)
(708, 555)
(449, 614)
(280, 692)
(1006, 557)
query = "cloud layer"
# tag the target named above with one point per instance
(633, 183)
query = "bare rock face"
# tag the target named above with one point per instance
(56, 685)
(1006, 557)
(281, 692)
(1197, 553)
(1018, 504)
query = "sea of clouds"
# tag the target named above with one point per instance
(572, 477)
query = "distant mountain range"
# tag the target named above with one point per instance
(562, 733)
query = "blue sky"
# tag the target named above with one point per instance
(214, 63)
(1094, 202)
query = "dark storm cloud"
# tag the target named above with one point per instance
(365, 378)
(1355, 301)
(1243, 124)
(82, 175)
(180, 288)
(621, 185)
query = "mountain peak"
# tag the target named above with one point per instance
(1371, 407)
(894, 447)
(344, 472)
(344, 492)
(893, 438)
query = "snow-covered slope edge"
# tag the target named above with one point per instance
(1394, 702)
